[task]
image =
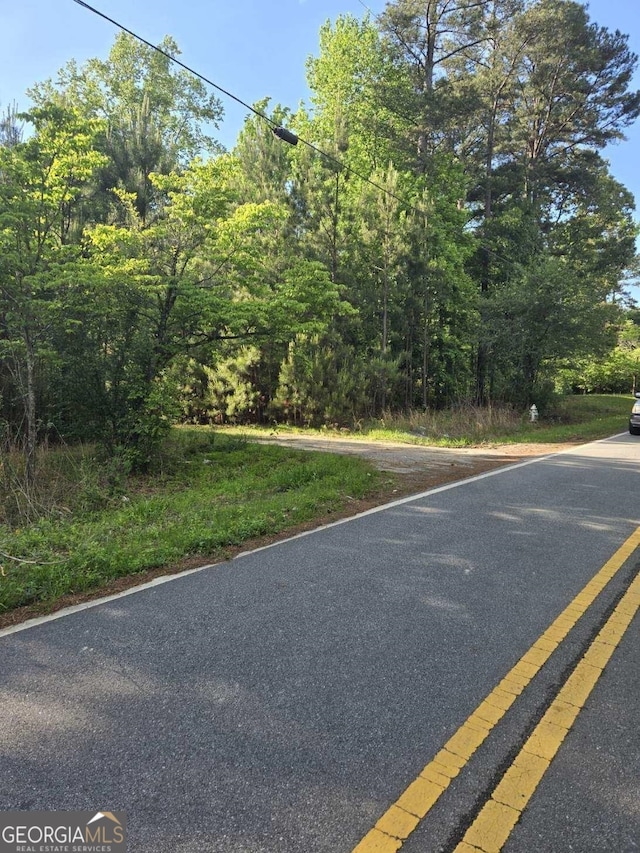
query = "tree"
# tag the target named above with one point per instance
(573, 94)
(155, 119)
(356, 87)
(41, 183)
(430, 39)
(264, 163)
(618, 373)
(10, 127)
(392, 241)
(556, 88)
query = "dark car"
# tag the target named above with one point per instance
(634, 419)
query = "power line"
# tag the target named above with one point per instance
(174, 59)
(364, 6)
(281, 132)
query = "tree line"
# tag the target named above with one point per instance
(445, 230)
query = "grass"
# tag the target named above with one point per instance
(576, 418)
(89, 524)
(210, 493)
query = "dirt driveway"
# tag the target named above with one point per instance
(420, 467)
(412, 469)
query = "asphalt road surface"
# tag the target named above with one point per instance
(294, 698)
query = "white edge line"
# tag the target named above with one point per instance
(398, 502)
(86, 605)
(77, 608)
(435, 491)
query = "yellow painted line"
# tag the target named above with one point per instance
(400, 820)
(491, 829)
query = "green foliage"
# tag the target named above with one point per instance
(210, 494)
(41, 188)
(570, 418)
(154, 117)
(461, 239)
(355, 86)
(617, 373)
(321, 381)
(230, 390)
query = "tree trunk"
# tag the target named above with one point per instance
(30, 414)
(425, 353)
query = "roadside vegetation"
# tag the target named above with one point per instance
(571, 418)
(90, 522)
(463, 239)
(449, 233)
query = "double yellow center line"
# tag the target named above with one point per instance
(492, 827)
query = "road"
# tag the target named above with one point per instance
(289, 700)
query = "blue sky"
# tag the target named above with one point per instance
(252, 48)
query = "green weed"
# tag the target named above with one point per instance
(576, 418)
(210, 492)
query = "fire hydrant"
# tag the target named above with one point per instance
(533, 413)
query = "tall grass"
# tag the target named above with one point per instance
(88, 521)
(464, 425)
(207, 493)
(575, 418)
(69, 480)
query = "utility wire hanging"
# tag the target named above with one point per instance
(173, 59)
(282, 133)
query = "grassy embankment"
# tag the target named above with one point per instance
(87, 526)
(579, 419)
(570, 419)
(210, 494)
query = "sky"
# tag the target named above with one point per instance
(252, 48)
